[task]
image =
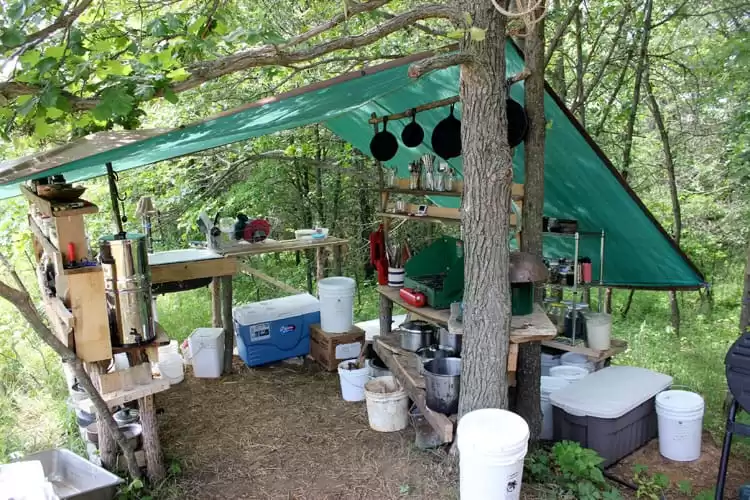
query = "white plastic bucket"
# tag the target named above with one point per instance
(336, 304)
(492, 444)
(548, 386)
(172, 348)
(598, 331)
(353, 381)
(396, 277)
(172, 367)
(207, 352)
(568, 372)
(680, 415)
(387, 405)
(575, 359)
(548, 361)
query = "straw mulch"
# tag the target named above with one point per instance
(283, 432)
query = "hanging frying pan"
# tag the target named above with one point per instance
(518, 123)
(383, 145)
(446, 138)
(412, 135)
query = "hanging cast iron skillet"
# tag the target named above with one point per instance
(518, 123)
(412, 135)
(446, 138)
(383, 145)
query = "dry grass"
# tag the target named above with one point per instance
(284, 432)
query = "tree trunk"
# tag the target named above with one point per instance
(628, 303)
(488, 175)
(22, 302)
(578, 101)
(529, 370)
(653, 104)
(640, 67)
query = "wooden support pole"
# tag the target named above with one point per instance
(216, 302)
(386, 315)
(246, 269)
(151, 444)
(320, 266)
(107, 443)
(338, 260)
(228, 323)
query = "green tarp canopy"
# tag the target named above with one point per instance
(580, 183)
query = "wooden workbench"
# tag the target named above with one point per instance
(220, 267)
(532, 327)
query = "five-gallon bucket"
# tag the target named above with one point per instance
(548, 361)
(387, 405)
(336, 304)
(171, 367)
(569, 373)
(680, 415)
(598, 331)
(353, 381)
(207, 352)
(548, 386)
(575, 359)
(492, 444)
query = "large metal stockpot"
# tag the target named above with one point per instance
(127, 283)
(416, 335)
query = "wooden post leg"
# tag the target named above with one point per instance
(216, 302)
(151, 445)
(386, 315)
(227, 322)
(320, 268)
(337, 260)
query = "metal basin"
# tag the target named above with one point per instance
(443, 384)
(76, 478)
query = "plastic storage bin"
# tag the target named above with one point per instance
(277, 329)
(611, 411)
(207, 352)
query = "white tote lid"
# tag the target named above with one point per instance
(611, 392)
(276, 309)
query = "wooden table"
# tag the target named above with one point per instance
(599, 358)
(532, 327)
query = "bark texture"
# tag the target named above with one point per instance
(529, 355)
(486, 205)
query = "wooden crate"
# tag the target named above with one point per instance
(329, 349)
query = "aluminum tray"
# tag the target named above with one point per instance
(76, 478)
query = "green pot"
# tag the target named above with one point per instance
(521, 298)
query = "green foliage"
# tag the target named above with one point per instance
(573, 469)
(650, 486)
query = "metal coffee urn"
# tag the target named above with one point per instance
(128, 289)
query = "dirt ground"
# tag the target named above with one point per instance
(701, 474)
(283, 432)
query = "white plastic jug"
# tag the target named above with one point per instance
(207, 352)
(598, 331)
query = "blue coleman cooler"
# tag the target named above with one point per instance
(275, 329)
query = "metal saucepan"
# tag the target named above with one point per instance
(416, 334)
(452, 341)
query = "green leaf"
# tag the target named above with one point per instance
(273, 37)
(146, 59)
(30, 58)
(477, 34)
(42, 128)
(56, 52)
(25, 104)
(54, 113)
(117, 68)
(144, 91)
(166, 60)
(136, 484)
(456, 34)
(83, 121)
(467, 18)
(12, 37)
(48, 98)
(16, 10)
(46, 65)
(115, 102)
(178, 75)
(170, 95)
(105, 45)
(197, 25)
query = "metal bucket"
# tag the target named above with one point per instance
(127, 284)
(443, 384)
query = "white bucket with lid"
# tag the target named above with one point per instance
(336, 296)
(548, 361)
(492, 445)
(548, 386)
(575, 359)
(172, 367)
(598, 331)
(387, 405)
(353, 381)
(680, 415)
(207, 352)
(568, 372)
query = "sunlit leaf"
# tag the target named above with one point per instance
(12, 37)
(455, 34)
(54, 113)
(30, 57)
(178, 75)
(55, 52)
(477, 34)
(170, 95)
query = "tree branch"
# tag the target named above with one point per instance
(560, 31)
(63, 21)
(441, 61)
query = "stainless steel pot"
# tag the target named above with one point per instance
(433, 352)
(443, 384)
(416, 334)
(448, 340)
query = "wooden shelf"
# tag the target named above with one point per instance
(420, 192)
(45, 242)
(117, 398)
(276, 246)
(82, 270)
(532, 327)
(161, 339)
(562, 344)
(424, 218)
(58, 209)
